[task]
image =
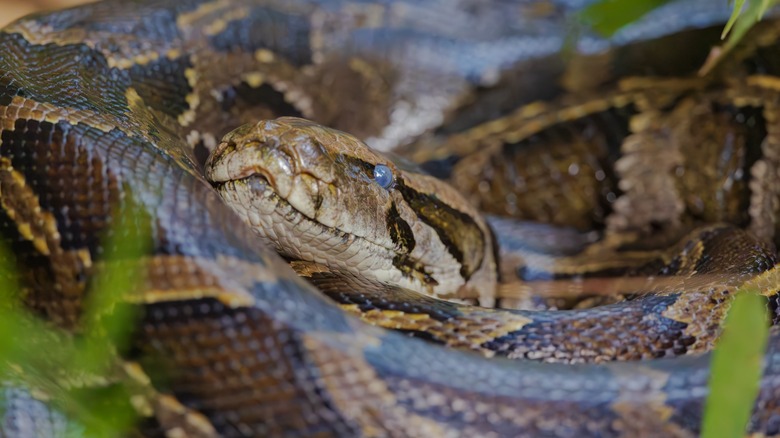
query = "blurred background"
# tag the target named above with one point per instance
(10, 10)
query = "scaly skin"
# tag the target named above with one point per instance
(111, 106)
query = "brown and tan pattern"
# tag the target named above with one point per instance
(116, 106)
(286, 179)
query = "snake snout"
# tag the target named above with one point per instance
(250, 156)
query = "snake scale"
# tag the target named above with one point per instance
(116, 106)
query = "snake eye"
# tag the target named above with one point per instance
(383, 175)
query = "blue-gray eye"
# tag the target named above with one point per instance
(383, 175)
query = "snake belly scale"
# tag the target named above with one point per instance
(116, 105)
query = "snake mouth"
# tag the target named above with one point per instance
(261, 184)
(259, 180)
(246, 175)
(260, 188)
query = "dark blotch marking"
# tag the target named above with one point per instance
(163, 84)
(402, 235)
(244, 95)
(7, 92)
(284, 34)
(413, 269)
(464, 239)
(400, 231)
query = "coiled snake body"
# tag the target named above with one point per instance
(115, 106)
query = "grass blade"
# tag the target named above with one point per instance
(736, 368)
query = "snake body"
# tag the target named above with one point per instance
(286, 178)
(112, 107)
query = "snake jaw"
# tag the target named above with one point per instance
(275, 219)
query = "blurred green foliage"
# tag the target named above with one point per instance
(81, 373)
(736, 368)
(608, 16)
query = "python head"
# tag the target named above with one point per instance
(321, 195)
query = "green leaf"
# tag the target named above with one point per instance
(608, 16)
(741, 20)
(735, 13)
(736, 368)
